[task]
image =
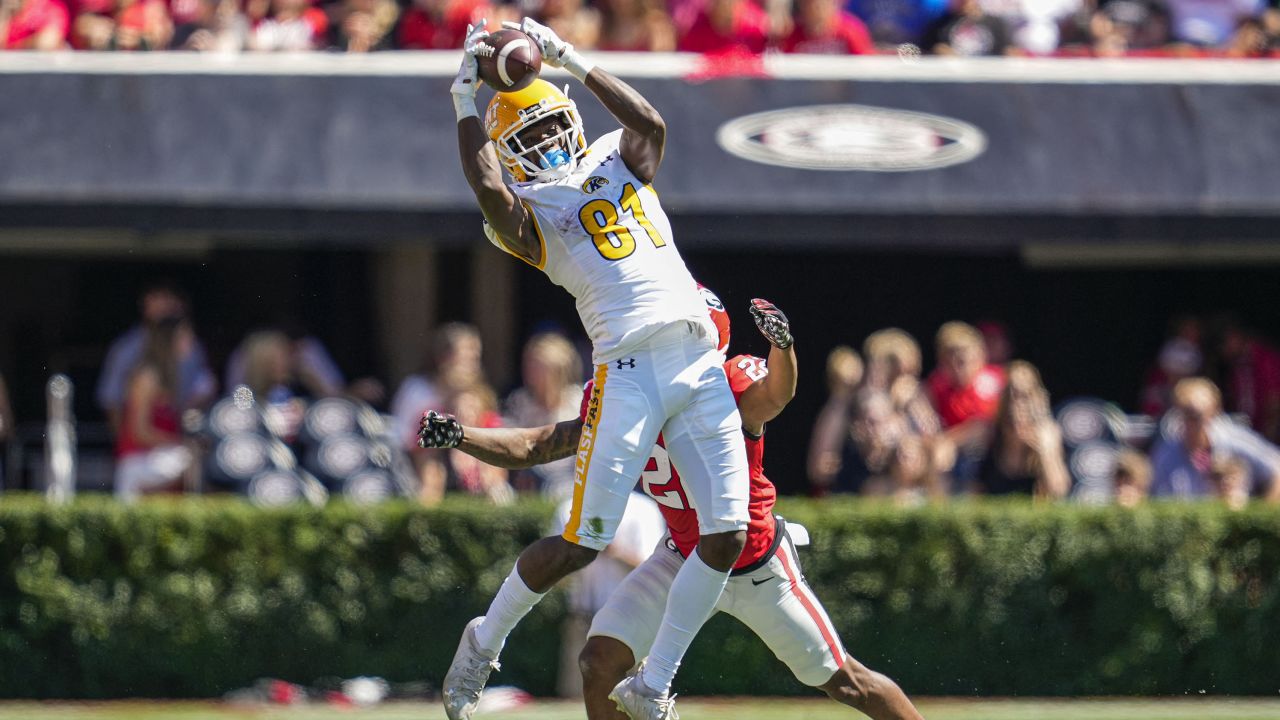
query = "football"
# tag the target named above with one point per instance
(509, 60)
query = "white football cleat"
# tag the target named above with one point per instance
(467, 675)
(640, 702)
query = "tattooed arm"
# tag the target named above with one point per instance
(510, 448)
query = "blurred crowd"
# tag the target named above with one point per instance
(979, 423)
(982, 422)
(1075, 28)
(172, 418)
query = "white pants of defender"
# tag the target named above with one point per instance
(674, 384)
(774, 601)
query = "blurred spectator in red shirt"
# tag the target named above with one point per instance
(1180, 357)
(1251, 370)
(150, 455)
(290, 25)
(361, 26)
(636, 25)
(217, 26)
(965, 389)
(124, 25)
(724, 27)
(822, 28)
(33, 24)
(438, 24)
(571, 20)
(967, 30)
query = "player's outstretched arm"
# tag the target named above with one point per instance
(504, 213)
(510, 448)
(644, 133)
(763, 400)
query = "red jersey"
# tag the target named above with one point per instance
(847, 36)
(979, 399)
(748, 32)
(661, 482)
(32, 19)
(164, 416)
(420, 30)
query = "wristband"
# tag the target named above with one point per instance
(577, 65)
(465, 107)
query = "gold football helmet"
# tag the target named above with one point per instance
(510, 113)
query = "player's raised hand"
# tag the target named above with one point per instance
(553, 48)
(439, 431)
(555, 52)
(772, 322)
(468, 79)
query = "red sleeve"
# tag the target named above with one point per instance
(60, 17)
(318, 21)
(586, 397)
(857, 36)
(937, 383)
(415, 31)
(754, 32)
(744, 371)
(792, 39)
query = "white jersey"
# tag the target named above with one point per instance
(607, 241)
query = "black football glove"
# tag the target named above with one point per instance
(439, 431)
(772, 322)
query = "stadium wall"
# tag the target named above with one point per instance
(202, 596)
(363, 147)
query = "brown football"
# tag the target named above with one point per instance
(509, 60)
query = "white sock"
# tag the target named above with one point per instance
(513, 601)
(694, 593)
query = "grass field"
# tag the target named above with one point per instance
(745, 709)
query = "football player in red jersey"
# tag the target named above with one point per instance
(767, 591)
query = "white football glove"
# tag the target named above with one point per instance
(555, 52)
(468, 80)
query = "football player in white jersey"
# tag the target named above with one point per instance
(586, 215)
(767, 591)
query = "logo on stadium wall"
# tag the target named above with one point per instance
(851, 137)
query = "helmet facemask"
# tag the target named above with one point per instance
(549, 159)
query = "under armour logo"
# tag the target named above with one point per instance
(629, 362)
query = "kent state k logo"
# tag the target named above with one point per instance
(594, 183)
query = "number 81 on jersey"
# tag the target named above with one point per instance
(602, 220)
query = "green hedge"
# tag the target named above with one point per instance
(199, 596)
